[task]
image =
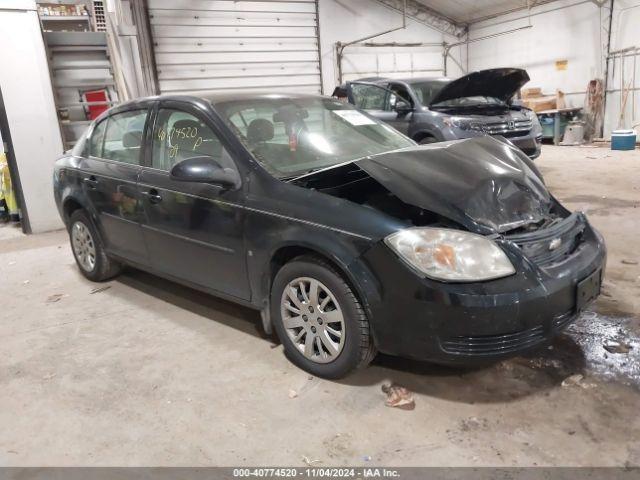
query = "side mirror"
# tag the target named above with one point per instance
(204, 170)
(402, 107)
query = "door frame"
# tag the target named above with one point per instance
(5, 133)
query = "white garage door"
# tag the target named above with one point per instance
(209, 46)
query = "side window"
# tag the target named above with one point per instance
(97, 139)
(123, 137)
(179, 135)
(399, 93)
(368, 97)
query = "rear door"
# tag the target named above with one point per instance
(109, 176)
(193, 231)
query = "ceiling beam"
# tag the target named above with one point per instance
(427, 16)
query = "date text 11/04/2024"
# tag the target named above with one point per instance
(316, 472)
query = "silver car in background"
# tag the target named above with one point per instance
(432, 110)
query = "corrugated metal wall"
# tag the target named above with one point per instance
(208, 46)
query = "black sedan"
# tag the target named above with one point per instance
(346, 235)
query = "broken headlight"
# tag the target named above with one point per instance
(450, 255)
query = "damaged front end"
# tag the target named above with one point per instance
(480, 185)
(477, 188)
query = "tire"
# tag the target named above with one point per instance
(427, 140)
(354, 347)
(88, 249)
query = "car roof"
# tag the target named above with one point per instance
(401, 80)
(235, 96)
(212, 98)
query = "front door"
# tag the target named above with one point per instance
(399, 119)
(109, 176)
(193, 231)
(379, 102)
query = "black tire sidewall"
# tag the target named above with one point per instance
(349, 357)
(428, 140)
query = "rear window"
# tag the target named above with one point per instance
(97, 139)
(123, 137)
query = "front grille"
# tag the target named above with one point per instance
(493, 344)
(552, 244)
(516, 128)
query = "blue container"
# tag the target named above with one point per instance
(623, 140)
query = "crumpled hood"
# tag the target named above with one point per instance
(482, 183)
(501, 83)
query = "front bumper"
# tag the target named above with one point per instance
(530, 143)
(469, 323)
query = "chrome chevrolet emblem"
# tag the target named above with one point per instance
(555, 243)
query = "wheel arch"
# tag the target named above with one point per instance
(69, 206)
(422, 134)
(359, 278)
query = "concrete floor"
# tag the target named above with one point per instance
(151, 373)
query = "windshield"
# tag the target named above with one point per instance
(471, 102)
(427, 90)
(293, 136)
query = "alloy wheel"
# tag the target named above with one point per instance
(313, 319)
(83, 246)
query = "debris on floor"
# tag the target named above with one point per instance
(398, 397)
(293, 394)
(629, 262)
(309, 462)
(56, 297)
(613, 346)
(473, 423)
(576, 380)
(99, 289)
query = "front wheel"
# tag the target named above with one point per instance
(319, 319)
(88, 250)
(427, 140)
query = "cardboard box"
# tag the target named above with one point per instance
(531, 92)
(545, 102)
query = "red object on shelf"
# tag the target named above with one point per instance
(94, 111)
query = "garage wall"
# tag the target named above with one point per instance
(30, 109)
(564, 30)
(625, 33)
(344, 21)
(570, 34)
(204, 46)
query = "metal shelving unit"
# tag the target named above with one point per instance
(79, 63)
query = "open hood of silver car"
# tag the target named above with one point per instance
(501, 83)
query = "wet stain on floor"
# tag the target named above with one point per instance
(597, 346)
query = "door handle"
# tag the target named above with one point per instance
(153, 195)
(92, 181)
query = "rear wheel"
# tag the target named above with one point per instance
(319, 319)
(88, 249)
(427, 140)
